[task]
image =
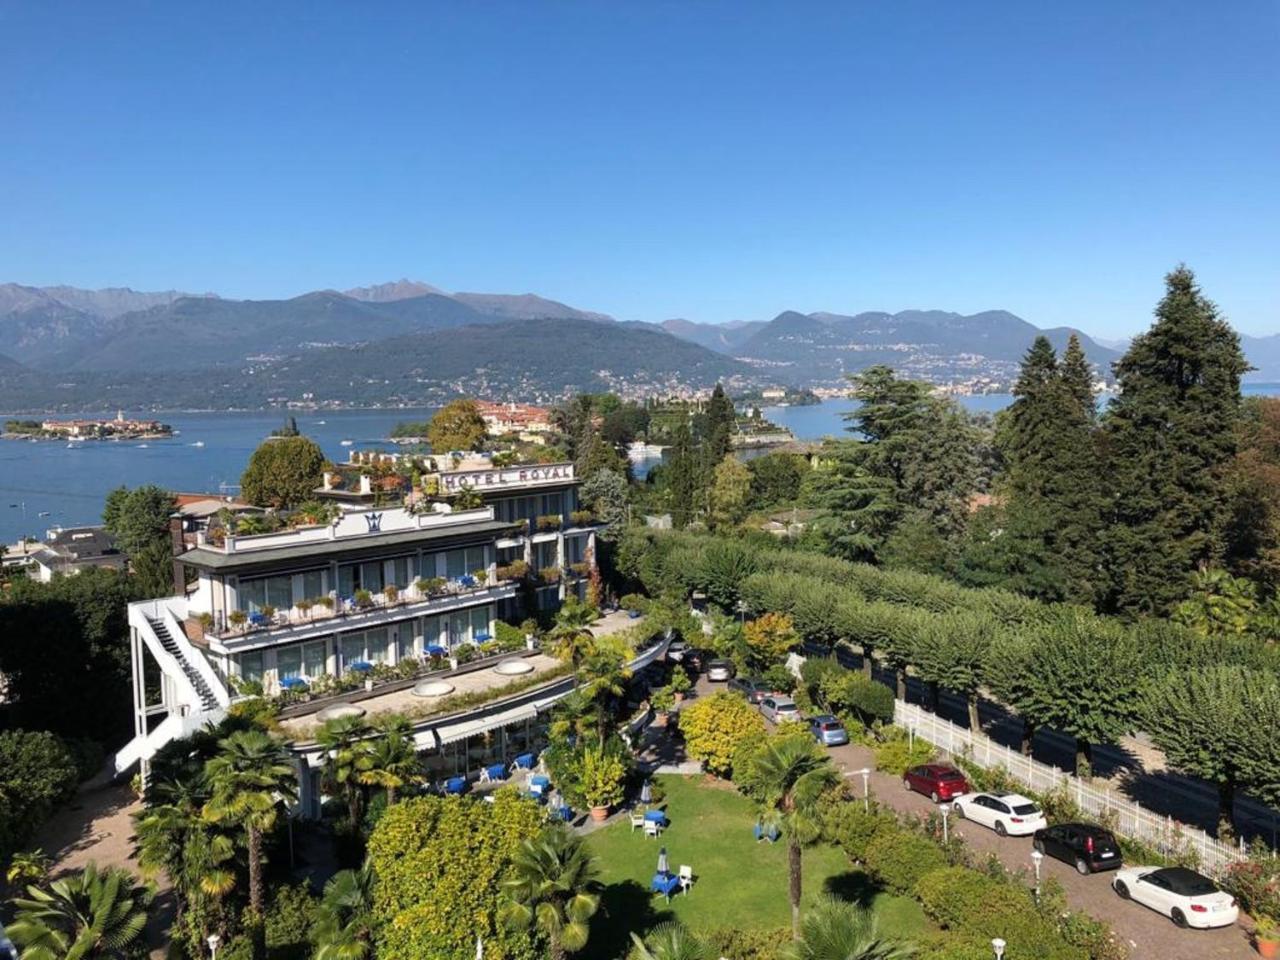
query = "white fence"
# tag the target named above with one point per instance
(1128, 817)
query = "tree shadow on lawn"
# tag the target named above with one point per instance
(854, 886)
(625, 907)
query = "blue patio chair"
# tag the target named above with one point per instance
(435, 650)
(455, 786)
(493, 773)
(467, 581)
(258, 619)
(523, 761)
(482, 638)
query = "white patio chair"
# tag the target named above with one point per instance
(484, 775)
(651, 829)
(686, 877)
(637, 820)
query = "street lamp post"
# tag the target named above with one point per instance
(213, 940)
(998, 946)
(1036, 858)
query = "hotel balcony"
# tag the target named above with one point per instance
(331, 614)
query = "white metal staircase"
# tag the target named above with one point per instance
(191, 694)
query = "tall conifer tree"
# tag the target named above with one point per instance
(1170, 436)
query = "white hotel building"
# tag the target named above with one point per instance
(375, 586)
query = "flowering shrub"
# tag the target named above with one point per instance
(716, 726)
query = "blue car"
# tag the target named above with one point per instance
(828, 731)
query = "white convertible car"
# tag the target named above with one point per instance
(1009, 814)
(1182, 895)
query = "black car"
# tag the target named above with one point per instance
(695, 658)
(1086, 846)
(753, 688)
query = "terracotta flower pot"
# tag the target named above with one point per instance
(1267, 947)
(599, 814)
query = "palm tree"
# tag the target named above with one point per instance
(346, 759)
(344, 924)
(248, 778)
(835, 930)
(669, 941)
(172, 835)
(552, 887)
(93, 915)
(392, 759)
(791, 773)
(571, 638)
(574, 716)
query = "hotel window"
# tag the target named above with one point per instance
(305, 660)
(400, 572)
(359, 576)
(288, 662)
(250, 666)
(266, 591)
(575, 549)
(406, 646)
(313, 584)
(352, 649)
(431, 627)
(371, 645)
(544, 555)
(315, 660)
(479, 622)
(459, 563)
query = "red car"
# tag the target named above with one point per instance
(937, 781)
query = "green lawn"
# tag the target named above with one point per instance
(738, 882)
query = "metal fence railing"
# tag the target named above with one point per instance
(1126, 816)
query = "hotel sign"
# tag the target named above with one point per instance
(513, 477)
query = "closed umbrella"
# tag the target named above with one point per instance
(663, 868)
(646, 793)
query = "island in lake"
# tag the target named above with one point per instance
(118, 428)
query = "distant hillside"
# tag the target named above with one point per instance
(526, 359)
(395, 290)
(192, 334)
(935, 345)
(721, 337)
(525, 306)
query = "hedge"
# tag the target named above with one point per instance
(898, 858)
(972, 903)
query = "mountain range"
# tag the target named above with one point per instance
(409, 342)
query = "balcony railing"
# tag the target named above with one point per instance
(352, 610)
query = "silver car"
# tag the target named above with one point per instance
(780, 709)
(720, 671)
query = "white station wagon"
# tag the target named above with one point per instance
(1009, 814)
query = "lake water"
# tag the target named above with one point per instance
(68, 484)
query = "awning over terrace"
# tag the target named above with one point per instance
(453, 732)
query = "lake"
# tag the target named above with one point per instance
(69, 484)
(47, 483)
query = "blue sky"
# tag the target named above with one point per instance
(706, 160)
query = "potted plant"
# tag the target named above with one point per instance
(325, 603)
(364, 599)
(664, 701)
(269, 612)
(1266, 936)
(237, 619)
(603, 774)
(680, 683)
(480, 576)
(391, 592)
